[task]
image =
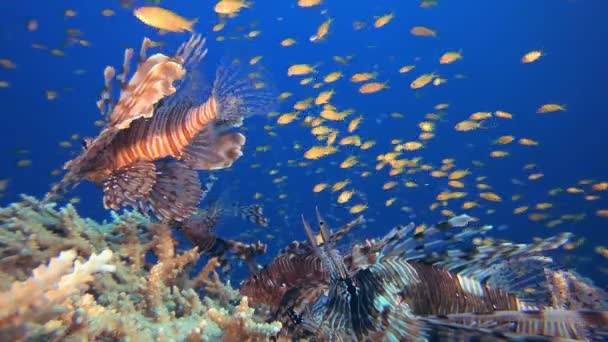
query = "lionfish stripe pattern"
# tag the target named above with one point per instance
(200, 230)
(431, 284)
(156, 138)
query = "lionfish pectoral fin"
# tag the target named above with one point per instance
(212, 151)
(242, 91)
(176, 193)
(128, 185)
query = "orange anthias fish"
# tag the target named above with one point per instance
(163, 19)
(155, 139)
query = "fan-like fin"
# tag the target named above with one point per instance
(212, 151)
(128, 185)
(177, 192)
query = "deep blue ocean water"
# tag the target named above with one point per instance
(493, 36)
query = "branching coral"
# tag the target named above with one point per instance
(137, 301)
(37, 299)
(240, 326)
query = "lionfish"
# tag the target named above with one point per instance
(431, 284)
(200, 230)
(156, 137)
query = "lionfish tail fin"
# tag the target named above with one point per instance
(176, 193)
(212, 151)
(128, 185)
(240, 94)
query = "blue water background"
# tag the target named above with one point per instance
(493, 36)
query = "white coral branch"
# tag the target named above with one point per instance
(50, 285)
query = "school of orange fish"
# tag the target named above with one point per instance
(459, 187)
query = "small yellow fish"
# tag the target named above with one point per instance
(287, 118)
(543, 206)
(24, 162)
(490, 196)
(345, 196)
(253, 34)
(535, 176)
(163, 19)
(498, 154)
(368, 144)
(332, 77)
(469, 205)
(505, 139)
(231, 7)
(532, 56)
(372, 87)
(352, 126)
(351, 140)
(450, 57)
(332, 115)
(287, 42)
(219, 26)
(308, 3)
(477, 116)
(321, 130)
(284, 95)
(503, 115)
(324, 97)
(356, 209)
(426, 126)
(406, 68)
(107, 12)
(300, 69)
(467, 125)
(303, 104)
(602, 213)
(383, 20)
(7, 63)
(349, 162)
(362, 77)
(389, 185)
(520, 210)
(422, 80)
(458, 174)
(317, 152)
(321, 31)
(411, 145)
(320, 187)
(331, 138)
(410, 184)
(255, 60)
(340, 185)
(528, 142)
(423, 31)
(551, 107)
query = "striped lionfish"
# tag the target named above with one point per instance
(431, 284)
(156, 137)
(200, 230)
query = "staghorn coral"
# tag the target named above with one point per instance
(137, 301)
(37, 299)
(239, 326)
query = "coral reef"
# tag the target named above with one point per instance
(64, 277)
